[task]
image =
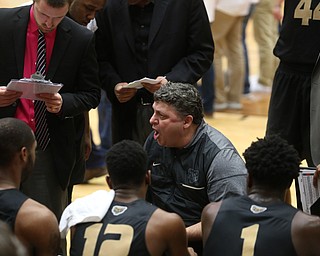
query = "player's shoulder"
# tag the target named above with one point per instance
(165, 228)
(305, 232)
(165, 221)
(170, 216)
(302, 221)
(209, 214)
(37, 227)
(34, 213)
(211, 208)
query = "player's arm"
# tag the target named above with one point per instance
(208, 217)
(194, 232)
(38, 229)
(305, 231)
(278, 10)
(166, 232)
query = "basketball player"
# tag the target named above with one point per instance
(33, 223)
(261, 223)
(131, 225)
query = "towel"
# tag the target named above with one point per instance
(91, 208)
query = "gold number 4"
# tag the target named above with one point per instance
(303, 11)
(249, 236)
(109, 247)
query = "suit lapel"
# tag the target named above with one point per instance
(20, 23)
(123, 26)
(160, 8)
(61, 43)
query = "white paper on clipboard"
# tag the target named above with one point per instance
(31, 87)
(308, 193)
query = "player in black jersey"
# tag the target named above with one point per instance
(131, 225)
(290, 105)
(33, 223)
(261, 223)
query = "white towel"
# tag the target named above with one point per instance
(91, 208)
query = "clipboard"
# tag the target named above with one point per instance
(33, 85)
(310, 195)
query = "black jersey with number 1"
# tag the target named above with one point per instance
(242, 227)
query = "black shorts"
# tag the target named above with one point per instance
(289, 109)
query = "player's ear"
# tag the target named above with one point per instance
(108, 180)
(148, 177)
(24, 154)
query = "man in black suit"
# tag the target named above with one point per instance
(83, 12)
(167, 40)
(70, 60)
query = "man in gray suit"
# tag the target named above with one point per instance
(315, 114)
(70, 60)
(315, 120)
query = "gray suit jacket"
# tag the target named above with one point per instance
(315, 114)
(73, 63)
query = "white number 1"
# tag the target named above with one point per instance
(249, 236)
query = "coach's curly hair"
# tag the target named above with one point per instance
(184, 97)
(272, 162)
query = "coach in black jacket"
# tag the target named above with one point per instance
(149, 38)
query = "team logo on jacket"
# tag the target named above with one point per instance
(193, 176)
(118, 209)
(257, 209)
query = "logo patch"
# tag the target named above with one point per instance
(118, 209)
(257, 209)
(193, 176)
